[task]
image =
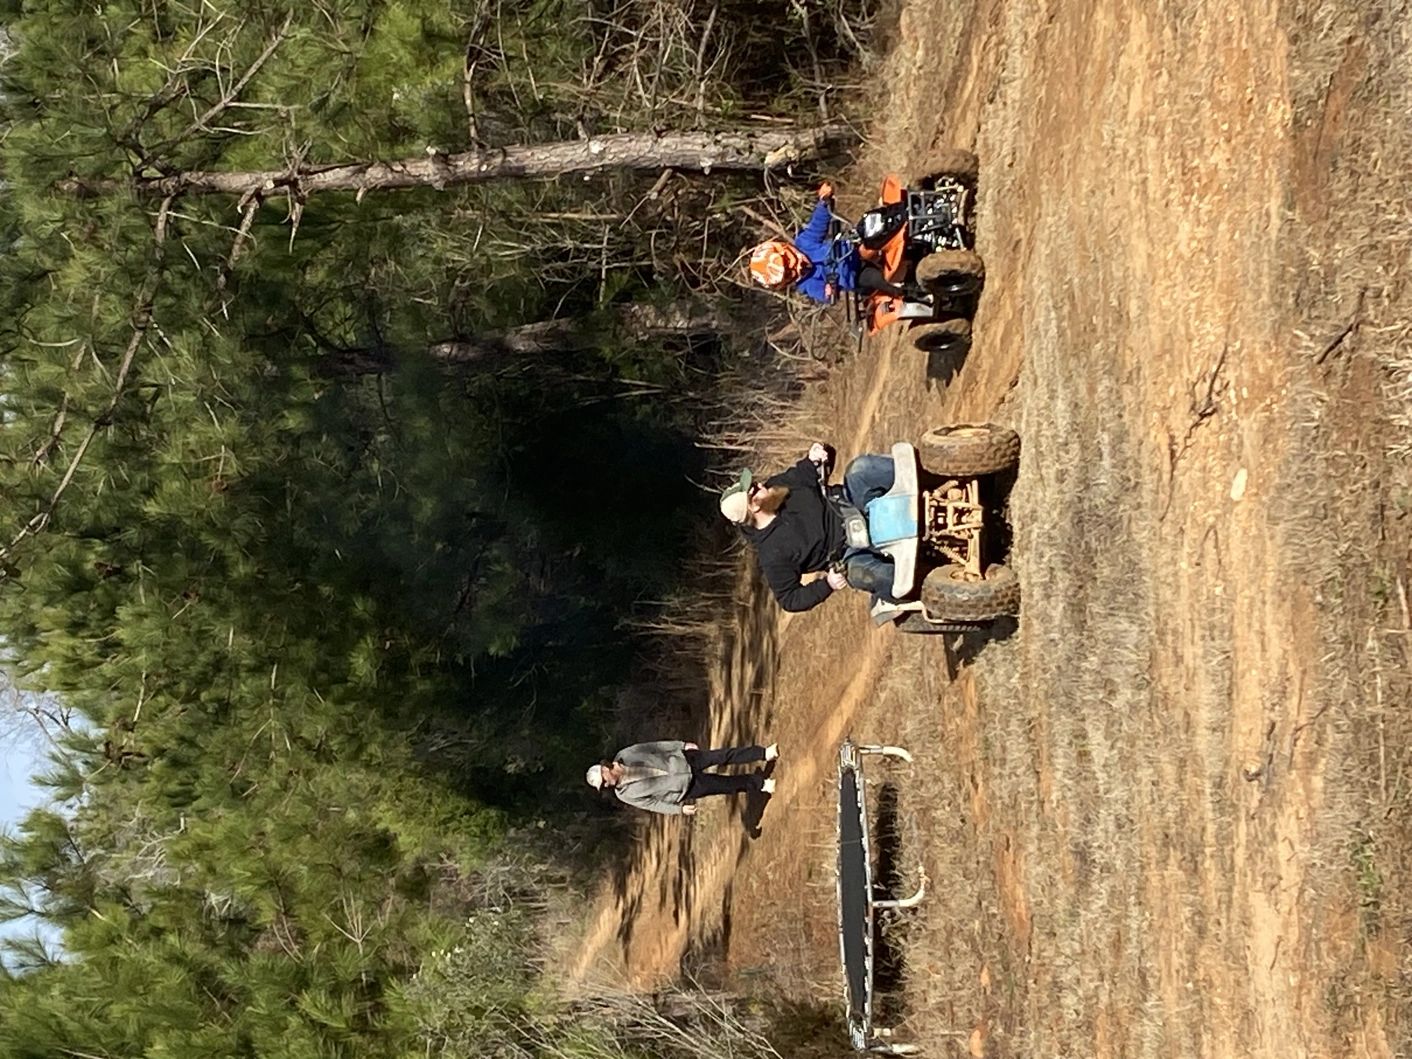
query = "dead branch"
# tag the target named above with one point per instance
(1299, 728)
(475, 51)
(700, 67)
(803, 14)
(1348, 329)
(652, 195)
(229, 97)
(176, 86)
(56, 429)
(742, 150)
(142, 320)
(764, 221)
(1204, 407)
(247, 218)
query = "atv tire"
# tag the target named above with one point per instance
(951, 273)
(946, 336)
(968, 451)
(950, 597)
(962, 166)
(919, 625)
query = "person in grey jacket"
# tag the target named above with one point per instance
(669, 775)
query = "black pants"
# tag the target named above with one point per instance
(870, 277)
(704, 783)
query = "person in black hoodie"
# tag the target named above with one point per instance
(795, 530)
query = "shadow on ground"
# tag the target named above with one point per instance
(889, 963)
(737, 711)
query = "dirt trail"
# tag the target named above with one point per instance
(673, 917)
(1139, 804)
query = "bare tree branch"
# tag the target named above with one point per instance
(475, 51)
(742, 150)
(142, 320)
(229, 97)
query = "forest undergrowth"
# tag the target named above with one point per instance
(334, 524)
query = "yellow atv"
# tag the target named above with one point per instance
(931, 523)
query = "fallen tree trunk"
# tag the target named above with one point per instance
(496, 351)
(634, 322)
(704, 152)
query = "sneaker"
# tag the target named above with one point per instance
(772, 752)
(767, 786)
(882, 611)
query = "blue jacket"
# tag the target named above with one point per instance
(835, 260)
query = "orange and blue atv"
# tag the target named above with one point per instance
(921, 237)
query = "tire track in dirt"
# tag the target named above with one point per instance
(667, 933)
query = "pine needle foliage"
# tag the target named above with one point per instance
(331, 618)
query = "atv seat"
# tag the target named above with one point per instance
(893, 520)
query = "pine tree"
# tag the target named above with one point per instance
(325, 635)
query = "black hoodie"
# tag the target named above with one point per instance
(806, 535)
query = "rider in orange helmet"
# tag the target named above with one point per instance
(820, 266)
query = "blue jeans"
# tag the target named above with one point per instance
(867, 478)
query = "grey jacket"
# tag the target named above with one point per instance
(657, 794)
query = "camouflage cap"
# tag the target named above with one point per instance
(735, 498)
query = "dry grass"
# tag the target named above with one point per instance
(1348, 495)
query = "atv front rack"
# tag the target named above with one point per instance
(937, 218)
(856, 904)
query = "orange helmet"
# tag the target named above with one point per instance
(775, 263)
